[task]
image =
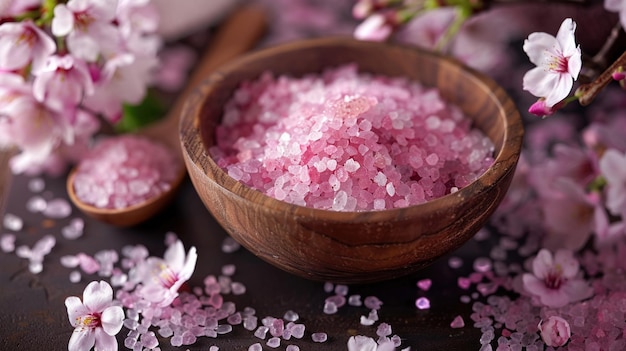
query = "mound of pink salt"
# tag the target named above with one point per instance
(125, 171)
(348, 141)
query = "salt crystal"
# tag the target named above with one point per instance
(292, 348)
(383, 329)
(422, 303)
(354, 300)
(319, 337)
(229, 245)
(7, 242)
(458, 322)
(36, 185)
(261, 332)
(455, 262)
(234, 319)
(482, 264)
(372, 302)
(250, 322)
(330, 307)
(255, 347)
(35, 267)
(424, 284)
(291, 316)
(36, 204)
(297, 331)
(214, 348)
(329, 287)
(237, 288)
(57, 208)
(341, 289)
(12, 222)
(273, 342)
(75, 276)
(367, 321)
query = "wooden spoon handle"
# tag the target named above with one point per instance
(238, 34)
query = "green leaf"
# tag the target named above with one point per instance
(151, 109)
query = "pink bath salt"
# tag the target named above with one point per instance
(124, 171)
(348, 141)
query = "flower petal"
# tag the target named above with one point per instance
(542, 264)
(569, 265)
(565, 36)
(104, 341)
(539, 82)
(560, 90)
(97, 296)
(75, 309)
(537, 45)
(63, 21)
(577, 290)
(112, 319)
(82, 339)
(175, 256)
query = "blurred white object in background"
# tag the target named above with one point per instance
(181, 17)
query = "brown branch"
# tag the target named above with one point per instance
(587, 92)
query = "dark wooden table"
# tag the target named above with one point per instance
(33, 314)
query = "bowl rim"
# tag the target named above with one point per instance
(505, 160)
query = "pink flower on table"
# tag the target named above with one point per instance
(88, 25)
(555, 332)
(376, 27)
(558, 61)
(96, 319)
(618, 6)
(162, 277)
(555, 280)
(23, 43)
(62, 82)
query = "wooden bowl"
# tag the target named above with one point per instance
(352, 247)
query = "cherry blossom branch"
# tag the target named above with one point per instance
(587, 92)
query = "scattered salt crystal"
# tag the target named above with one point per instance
(36, 185)
(75, 276)
(74, 229)
(250, 322)
(329, 287)
(291, 316)
(319, 337)
(57, 208)
(373, 302)
(35, 266)
(330, 307)
(424, 284)
(383, 329)
(455, 262)
(36, 204)
(297, 330)
(422, 303)
(292, 348)
(367, 321)
(255, 347)
(482, 264)
(12, 222)
(234, 319)
(229, 245)
(261, 332)
(354, 300)
(341, 289)
(273, 342)
(229, 269)
(237, 288)
(7, 242)
(214, 348)
(458, 322)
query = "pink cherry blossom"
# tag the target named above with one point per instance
(123, 79)
(540, 108)
(23, 43)
(554, 281)
(613, 168)
(10, 8)
(162, 277)
(555, 332)
(62, 82)
(618, 6)
(374, 28)
(96, 319)
(137, 17)
(88, 25)
(558, 61)
(572, 216)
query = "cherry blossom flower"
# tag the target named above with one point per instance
(88, 27)
(10, 8)
(62, 82)
(613, 168)
(162, 277)
(96, 319)
(376, 27)
(555, 280)
(23, 43)
(364, 343)
(540, 108)
(572, 216)
(558, 61)
(618, 6)
(555, 332)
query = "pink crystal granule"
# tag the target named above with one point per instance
(348, 141)
(125, 171)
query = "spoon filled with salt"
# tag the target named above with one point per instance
(147, 166)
